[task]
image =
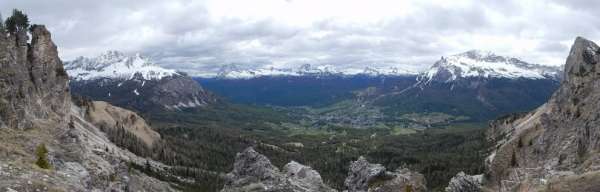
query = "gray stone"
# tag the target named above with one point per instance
(558, 141)
(465, 183)
(366, 177)
(253, 171)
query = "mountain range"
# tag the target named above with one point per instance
(474, 63)
(471, 86)
(423, 132)
(133, 81)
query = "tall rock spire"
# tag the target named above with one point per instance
(33, 83)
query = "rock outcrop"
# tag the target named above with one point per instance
(364, 176)
(46, 143)
(254, 172)
(33, 83)
(555, 147)
(465, 183)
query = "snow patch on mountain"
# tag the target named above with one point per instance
(236, 72)
(485, 64)
(116, 65)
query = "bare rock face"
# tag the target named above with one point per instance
(305, 177)
(36, 112)
(254, 172)
(465, 183)
(180, 92)
(366, 177)
(33, 83)
(557, 142)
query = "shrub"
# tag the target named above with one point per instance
(42, 157)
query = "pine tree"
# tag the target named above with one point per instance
(18, 21)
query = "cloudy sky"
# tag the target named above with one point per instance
(199, 36)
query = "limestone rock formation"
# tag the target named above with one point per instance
(33, 83)
(254, 172)
(465, 183)
(36, 112)
(366, 177)
(555, 147)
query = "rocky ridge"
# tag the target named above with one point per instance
(36, 112)
(254, 172)
(553, 148)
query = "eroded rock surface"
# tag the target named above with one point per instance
(36, 110)
(465, 183)
(366, 177)
(254, 172)
(33, 83)
(559, 141)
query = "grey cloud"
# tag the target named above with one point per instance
(183, 35)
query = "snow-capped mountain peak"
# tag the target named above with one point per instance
(485, 64)
(116, 65)
(233, 71)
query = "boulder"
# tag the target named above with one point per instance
(465, 183)
(366, 177)
(253, 171)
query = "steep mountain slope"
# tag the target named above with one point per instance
(46, 144)
(132, 81)
(554, 147)
(477, 84)
(106, 116)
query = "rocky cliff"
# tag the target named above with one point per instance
(555, 147)
(33, 83)
(254, 172)
(46, 142)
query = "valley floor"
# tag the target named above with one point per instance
(212, 137)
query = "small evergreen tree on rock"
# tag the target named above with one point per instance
(18, 21)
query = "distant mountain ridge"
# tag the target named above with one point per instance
(116, 65)
(485, 64)
(233, 71)
(477, 84)
(473, 63)
(133, 81)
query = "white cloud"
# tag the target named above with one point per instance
(199, 36)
